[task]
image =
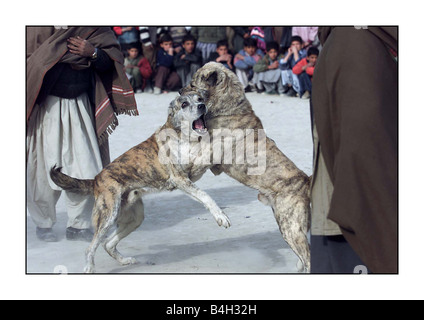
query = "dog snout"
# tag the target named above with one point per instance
(201, 106)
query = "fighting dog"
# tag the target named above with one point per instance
(119, 187)
(281, 184)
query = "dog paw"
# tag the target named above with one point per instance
(89, 269)
(223, 220)
(128, 261)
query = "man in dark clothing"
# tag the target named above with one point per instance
(354, 189)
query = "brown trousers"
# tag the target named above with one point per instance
(166, 79)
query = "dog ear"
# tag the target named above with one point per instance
(211, 79)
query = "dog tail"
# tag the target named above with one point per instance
(83, 187)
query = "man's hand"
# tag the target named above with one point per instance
(80, 47)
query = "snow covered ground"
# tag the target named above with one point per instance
(178, 235)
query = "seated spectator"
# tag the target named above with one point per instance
(188, 60)
(304, 70)
(166, 78)
(294, 54)
(221, 55)
(268, 72)
(244, 62)
(137, 68)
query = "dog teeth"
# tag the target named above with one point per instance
(203, 130)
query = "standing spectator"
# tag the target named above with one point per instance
(71, 110)
(127, 37)
(258, 34)
(149, 37)
(166, 78)
(137, 68)
(178, 34)
(187, 61)
(240, 33)
(354, 191)
(281, 35)
(244, 62)
(207, 37)
(294, 54)
(309, 35)
(304, 70)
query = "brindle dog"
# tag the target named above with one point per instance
(119, 187)
(281, 185)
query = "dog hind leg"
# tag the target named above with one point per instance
(292, 217)
(129, 220)
(104, 217)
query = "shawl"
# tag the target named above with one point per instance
(355, 107)
(47, 46)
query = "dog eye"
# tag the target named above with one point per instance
(200, 99)
(185, 104)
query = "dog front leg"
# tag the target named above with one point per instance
(192, 190)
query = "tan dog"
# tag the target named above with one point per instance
(147, 167)
(281, 184)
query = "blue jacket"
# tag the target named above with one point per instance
(164, 59)
(249, 61)
(292, 62)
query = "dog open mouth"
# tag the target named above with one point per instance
(199, 125)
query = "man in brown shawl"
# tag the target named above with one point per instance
(76, 85)
(355, 112)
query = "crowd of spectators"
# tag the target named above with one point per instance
(268, 60)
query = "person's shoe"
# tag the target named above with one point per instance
(74, 234)
(272, 93)
(157, 90)
(306, 95)
(258, 90)
(291, 92)
(46, 234)
(248, 89)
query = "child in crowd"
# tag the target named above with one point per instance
(166, 77)
(294, 54)
(304, 70)
(188, 60)
(244, 62)
(137, 68)
(268, 73)
(221, 54)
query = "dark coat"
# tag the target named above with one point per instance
(355, 105)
